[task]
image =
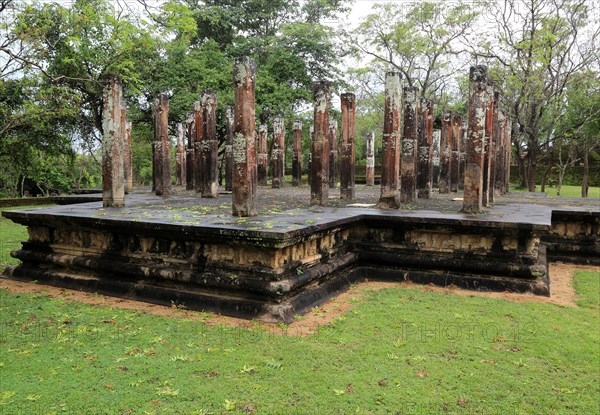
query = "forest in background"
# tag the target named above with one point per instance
(542, 54)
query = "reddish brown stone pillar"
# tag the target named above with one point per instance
(319, 149)
(348, 104)
(333, 151)
(297, 155)
(435, 160)
(189, 154)
(446, 152)
(463, 157)
(180, 166)
(113, 189)
(390, 145)
(489, 147)
(508, 150)
(198, 133)
(370, 159)
(455, 161)
(263, 157)
(424, 166)
(278, 153)
(474, 152)
(162, 146)
(244, 138)
(229, 149)
(408, 188)
(311, 135)
(209, 153)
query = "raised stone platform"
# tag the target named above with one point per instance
(191, 251)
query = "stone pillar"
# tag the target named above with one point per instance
(319, 148)
(180, 166)
(311, 135)
(455, 160)
(198, 140)
(489, 147)
(370, 159)
(229, 149)
(162, 146)
(333, 151)
(408, 188)
(209, 171)
(494, 147)
(390, 145)
(424, 167)
(446, 153)
(435, 158)
(297, 155)
(127, 156)
(244, 138)
(348, 104)
(474, 151)
(113, 188)
(463, 157)
(508, 150)
(278, 153)
(189, 154)
(263, 158)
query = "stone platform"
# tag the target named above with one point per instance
(190, 251)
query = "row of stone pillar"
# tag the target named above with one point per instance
(487, 153)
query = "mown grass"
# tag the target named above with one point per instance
(565, 191)
(399, 350)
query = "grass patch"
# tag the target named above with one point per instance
(565, 191)
(400, 350)
(587, 286)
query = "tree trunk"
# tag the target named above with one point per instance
(546, 172)
(586, 173)
(531, 172)
(522, 172)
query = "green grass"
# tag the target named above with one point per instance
(399, 350)
(565, 191)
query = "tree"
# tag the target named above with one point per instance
(539, 47)
(420, 42)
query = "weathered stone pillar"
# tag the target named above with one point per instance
(446, 154)
(424, 167)
(229, 149)
(189, 154)
(162, 146)
(263, 155)
(113, 188)
(311, 135)
(319, 149)
(455, 161)
(508, 150)
(297, 155)
(370, 159)
(198, 140)
(496, 145)
(408, 188)
(278, 153)
(474, 152)
(348, 104)
(390, 147)
(333, 151)
(209, 156)
(489, 147)
(435, 160)
(244, 138)
(127, 156)
(463, 157)
(180, 166)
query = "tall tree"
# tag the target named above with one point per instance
(539, 46)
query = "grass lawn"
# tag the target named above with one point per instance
(398, 351)
(565, 191)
